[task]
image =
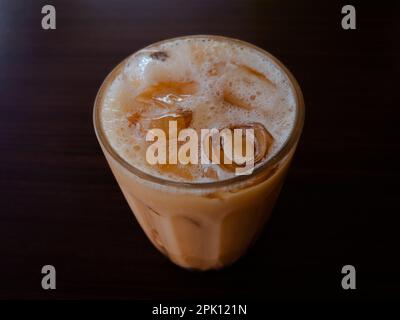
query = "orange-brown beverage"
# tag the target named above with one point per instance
(203, 215)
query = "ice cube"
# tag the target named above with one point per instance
(262, 143)
(183, 171)
(183, 119)
(167, 93)
(242, 86)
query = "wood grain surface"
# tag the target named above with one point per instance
(60, 205)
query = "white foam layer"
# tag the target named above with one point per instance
(213, 64)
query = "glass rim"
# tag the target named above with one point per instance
(270, 163)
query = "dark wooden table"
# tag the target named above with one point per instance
(60, 205)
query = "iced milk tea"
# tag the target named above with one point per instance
(203, 215)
